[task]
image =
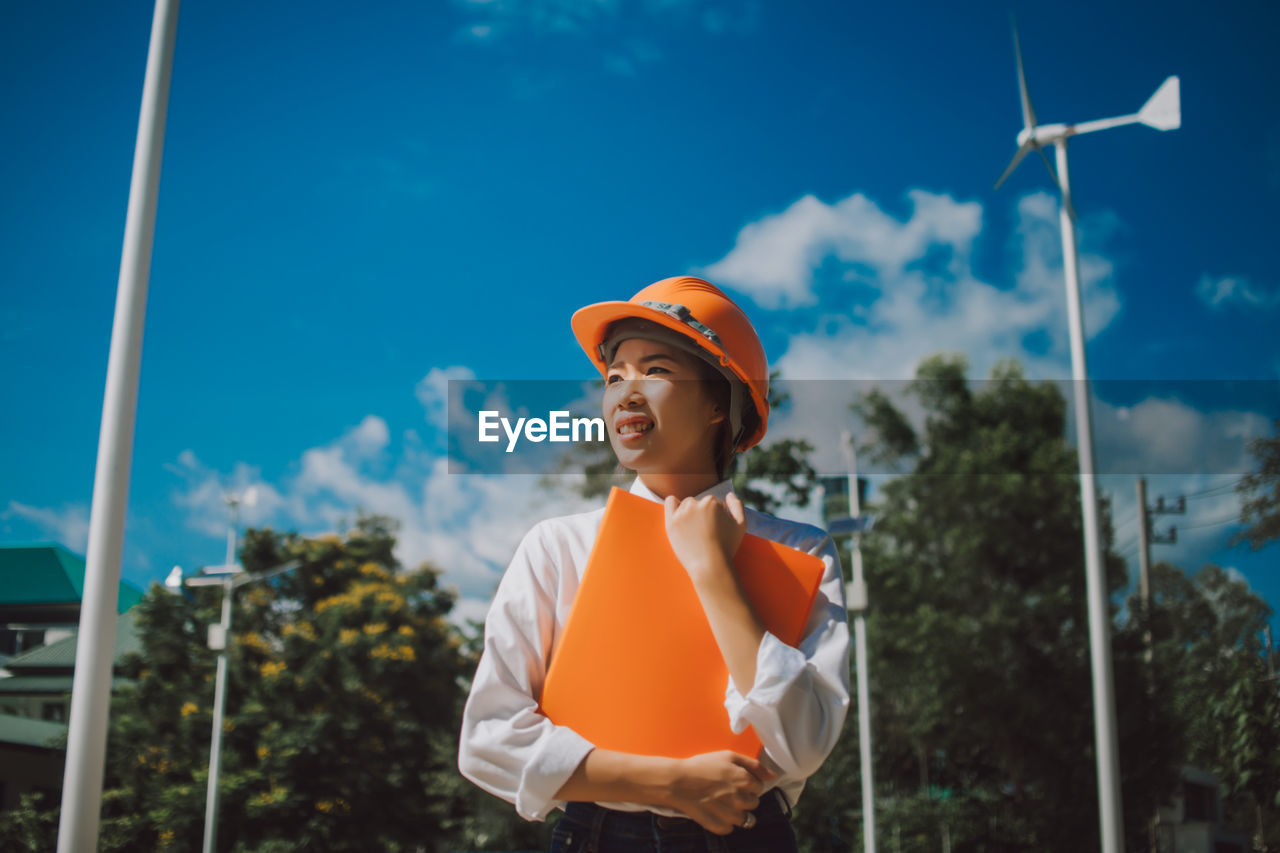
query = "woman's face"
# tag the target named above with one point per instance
(659, 410)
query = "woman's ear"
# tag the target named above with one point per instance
(718, 415)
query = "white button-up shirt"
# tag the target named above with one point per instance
(797, 704)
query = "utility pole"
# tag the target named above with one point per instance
(1146, 537)
(1144, 564)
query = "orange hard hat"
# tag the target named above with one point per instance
(698, 311)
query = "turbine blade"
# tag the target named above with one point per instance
(1163, 110)
(1013, 164)
(1071, 208)
(1028, 111)
(1049, 168)
(1061, 194)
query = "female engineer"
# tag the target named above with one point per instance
(686, 388)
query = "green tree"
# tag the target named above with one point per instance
(344, 697)
(1206, 633)
(1248, 716)
(1261, 492)
(979, 655)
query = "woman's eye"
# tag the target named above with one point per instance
(612, 378)
(654, 367)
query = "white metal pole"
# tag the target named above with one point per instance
(219, 705)
(1104, 706)
(95, 646)
(858, 604)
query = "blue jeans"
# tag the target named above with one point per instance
(588, 828)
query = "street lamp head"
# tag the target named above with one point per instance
(173, 582)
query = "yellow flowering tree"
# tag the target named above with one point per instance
(344, 695)
(345, 687)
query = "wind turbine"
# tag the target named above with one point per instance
(1161, 111)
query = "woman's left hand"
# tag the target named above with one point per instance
(705, 533)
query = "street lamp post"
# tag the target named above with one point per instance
(853, 526)
(230, 577)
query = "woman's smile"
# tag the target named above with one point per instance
(631, 427)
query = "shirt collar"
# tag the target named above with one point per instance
(720, 490)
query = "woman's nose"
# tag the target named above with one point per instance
(629, 393)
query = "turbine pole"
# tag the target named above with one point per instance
(1104, 704)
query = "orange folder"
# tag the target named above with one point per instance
(637, 669)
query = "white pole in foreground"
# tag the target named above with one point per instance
(1104, 703)
(858, 604)
(95, 646)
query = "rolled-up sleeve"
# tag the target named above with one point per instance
(507, 746)
(800, 697)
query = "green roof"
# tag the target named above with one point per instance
(62, 654)
(23, 685)
(28, 732)
(47, 573)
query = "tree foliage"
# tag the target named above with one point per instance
(347, 680)
(1261, 492)
(1206, 631)
(979, 656)
(344, 694)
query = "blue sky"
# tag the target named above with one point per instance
(360, 203)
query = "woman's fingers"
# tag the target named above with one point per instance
(719, 789)
(734, 505)
(756, 768)
(720, 819)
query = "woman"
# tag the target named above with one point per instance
(686, 387)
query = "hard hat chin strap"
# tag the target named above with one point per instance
(736, 402)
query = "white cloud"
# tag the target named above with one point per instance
(466, 525)
(433, 392)
(598, 20)
(68, 526)
(370, 437)
(911, 286)
(1164, 435)
(573, 17)
(1234, 291)
(469, 610)
(205, 495)
(774, 258)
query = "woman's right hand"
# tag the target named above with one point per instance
(717, 789)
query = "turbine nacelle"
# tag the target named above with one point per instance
(1046, 134)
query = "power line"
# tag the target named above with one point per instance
(1130, 550)
(1129, 520)
(1232, 517)
(1224, 488)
